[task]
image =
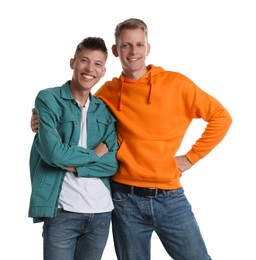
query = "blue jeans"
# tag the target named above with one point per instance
(75, 236)
(169, 215)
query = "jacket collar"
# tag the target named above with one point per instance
(66, 93)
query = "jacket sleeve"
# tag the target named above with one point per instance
(49, 143)
(107, 165)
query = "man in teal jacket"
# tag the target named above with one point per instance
(72, 157)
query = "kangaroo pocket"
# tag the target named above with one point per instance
(144, 160)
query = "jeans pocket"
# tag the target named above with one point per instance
(119, 196)
(175, 193)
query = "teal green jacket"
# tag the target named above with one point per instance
(55, 147)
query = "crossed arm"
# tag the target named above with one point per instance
(182, 161)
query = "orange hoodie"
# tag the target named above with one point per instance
(153, 114)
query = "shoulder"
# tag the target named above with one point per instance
(48, 92)
(176, 75)
(180, 79)
(160, 72)
(55, 91)
(96, 100)
(100, 107)
(108, 87)
(52, 98)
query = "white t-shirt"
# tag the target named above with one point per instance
(81, 194)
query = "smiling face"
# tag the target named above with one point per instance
(88, 68)
(132, 48)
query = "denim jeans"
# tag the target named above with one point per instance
(169, 215)
(75, 236)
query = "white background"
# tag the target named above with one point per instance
(211, 42)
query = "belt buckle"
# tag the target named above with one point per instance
(155, 190)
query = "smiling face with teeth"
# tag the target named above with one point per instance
(88, 67)
(132, 48)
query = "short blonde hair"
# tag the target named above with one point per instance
(131, 24)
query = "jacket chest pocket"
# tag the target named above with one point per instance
(68, 127)
(100, 128)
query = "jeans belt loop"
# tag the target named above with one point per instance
(132, 190)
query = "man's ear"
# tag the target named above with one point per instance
(71, 63)
(104, 72)
(148, 51)
(114, 50)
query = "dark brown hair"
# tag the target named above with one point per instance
(92, 43)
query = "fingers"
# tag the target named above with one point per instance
(34, 123)
(33, 111)
(34, 128)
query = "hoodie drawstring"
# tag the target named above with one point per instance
(149, 99)
(150, 88)
(120, 95)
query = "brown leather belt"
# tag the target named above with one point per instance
(146, 192)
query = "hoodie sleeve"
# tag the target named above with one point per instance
(218, 122)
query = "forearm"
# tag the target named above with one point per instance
(106, 166)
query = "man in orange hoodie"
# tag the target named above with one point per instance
(154, 109)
